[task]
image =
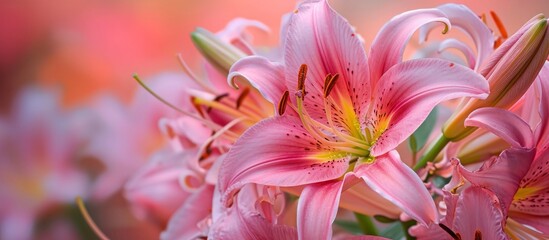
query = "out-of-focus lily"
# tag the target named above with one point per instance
(178, 184)
(344, 116)
(124, 136)
(39, 148)
(216, 104)
(154, 191)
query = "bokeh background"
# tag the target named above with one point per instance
(84, 48)
(87, 46)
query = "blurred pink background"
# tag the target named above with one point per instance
(87, 47)
(90, 46)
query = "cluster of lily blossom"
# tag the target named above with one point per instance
(317, 138)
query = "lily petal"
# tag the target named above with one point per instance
(17, 224)
(539, 222)
(503, 123)
(266, 76)
(503, 174)
(542, 131)
(154, 191)
(323, 40)
(280, 152)
(362, 199)
(402, 186)
(410, 90)
(530, 197)
(478, 214)
(440, 49)
(354, 237)
(430, 232)
(184, 223)
(389, 44)
(462, 47)
(235, 33)
(462, 17)
(311, 222)
(246, 220)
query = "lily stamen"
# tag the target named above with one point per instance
(349, 144)
(283, 103)
(307, 121)
(302, 74)
(355, 141)
(241, 97)
(329, 83)
(206, 146)
(254, 106)
(250, 116)
(314, 128)
(499, 25)
(191, 74)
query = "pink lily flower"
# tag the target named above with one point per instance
(523, 209)
(39, 149)
(178, 184)
(125, 136)
(528, 206)
(173, 176)
(193, 218)
(465, 20)
(155, 192)
(346, 114)
(477, 202)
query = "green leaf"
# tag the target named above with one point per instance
(418, 139)
(393, 231)
(349, 226)
(383, 219)
(366, 224)
(440, 181)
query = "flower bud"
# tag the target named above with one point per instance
(218, 53)
(510, 71)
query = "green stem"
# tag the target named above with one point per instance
(366, 224)
(432, 152)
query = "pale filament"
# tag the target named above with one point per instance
(250, 117)
(348, 145)
(190, 73)
(252, 109)
(217, 134)
(512, 224)
(209, 124)
(356, 142)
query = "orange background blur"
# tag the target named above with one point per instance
(85, 47)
